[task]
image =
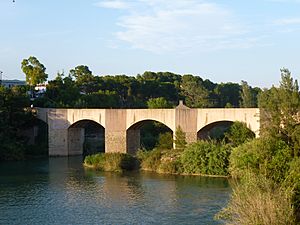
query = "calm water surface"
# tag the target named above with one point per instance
(60, 191)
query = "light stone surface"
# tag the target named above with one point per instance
(121, 134)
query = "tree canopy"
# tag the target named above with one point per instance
(34, 70)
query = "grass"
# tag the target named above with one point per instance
(116, 162)
(257, 200)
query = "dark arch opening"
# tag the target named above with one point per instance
(214, 130)
(148, 134)
(35, 133)
(86, 137)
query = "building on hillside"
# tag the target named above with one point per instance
(40, 90)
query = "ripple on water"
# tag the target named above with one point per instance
(60, 191)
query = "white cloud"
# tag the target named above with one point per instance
(112, 4)
(175, 25)
(288, 21)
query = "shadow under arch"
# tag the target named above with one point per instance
(137, 133)
(86, 137)
(214, 130)
(35, 131)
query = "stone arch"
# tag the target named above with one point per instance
(204, 132)
(82, 132)
(164, 116)
(133, 134)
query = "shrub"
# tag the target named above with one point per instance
(150, 160)
(204, 157)
(111, 162)
(267, 156)
(165, 141)
(239, 133)
(258, 200)
(292, 182)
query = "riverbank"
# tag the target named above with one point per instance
(200, 159)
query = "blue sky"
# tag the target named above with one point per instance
(224, 41)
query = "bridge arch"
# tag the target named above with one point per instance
(85, 137)
(216, 129)
(135, 133)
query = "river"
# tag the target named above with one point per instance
(61, 191)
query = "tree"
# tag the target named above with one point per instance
(280, 107)
(225, 93)
(158, 103)
(180, 141)
(83, 78)
(34, 71)
(247, 96)
(194, 92)
(239, 133)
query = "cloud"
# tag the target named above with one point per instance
(174, 25)
(288, 21)
(112, 4)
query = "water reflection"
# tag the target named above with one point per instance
(61, 191)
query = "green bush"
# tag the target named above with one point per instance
(267, 156)
(206, 157)
(238, 133)
(165, 141)
(117, 162)
(292, 182)
(150, 160)
(172, 166)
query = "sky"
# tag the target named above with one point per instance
(223, 41)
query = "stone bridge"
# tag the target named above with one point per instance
(122, 126)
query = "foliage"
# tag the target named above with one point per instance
(196, 95)
(226, 93)
(206, 157)
(238, 133)
(179, 141)
(280, 107)
(116, 162)
(292, 183)
(83, 78)
(150, 160)
(257, 200)
(247, 96)
(272, 195)
(34, 70)
(158, 103)
(165, 141)
(153, 90)
(170, 165)
(267, 155)
(12, 119)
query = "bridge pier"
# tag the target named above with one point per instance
(115, 141)
(75, 141)
(58, 142)
(133, 140)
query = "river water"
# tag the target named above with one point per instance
(61, 191)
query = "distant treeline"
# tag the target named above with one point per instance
(80, 88)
